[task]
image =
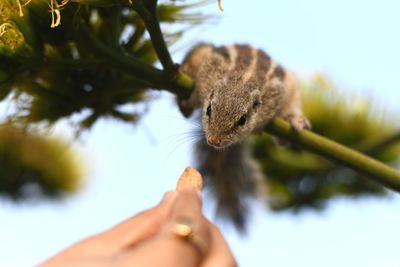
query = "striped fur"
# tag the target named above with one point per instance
(239, 89)
(239, 69)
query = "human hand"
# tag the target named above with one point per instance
(150, 239)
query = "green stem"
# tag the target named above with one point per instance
(357, 161)
(184, 81)
(153, 27)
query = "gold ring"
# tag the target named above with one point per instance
(184, 231)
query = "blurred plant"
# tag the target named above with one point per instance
(298, 179)
(33, 167)
(62, 71)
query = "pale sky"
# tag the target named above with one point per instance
(355, 42)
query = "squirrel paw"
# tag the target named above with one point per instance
(298, 122)
(185, 107)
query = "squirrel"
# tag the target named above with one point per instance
(239, 89)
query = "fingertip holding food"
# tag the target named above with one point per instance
(190, 178)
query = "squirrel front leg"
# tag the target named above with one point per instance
(292, 110)
(210, 71)
(192, 65)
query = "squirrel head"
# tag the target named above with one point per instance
(230, 111)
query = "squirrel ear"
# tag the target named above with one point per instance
(255, 99)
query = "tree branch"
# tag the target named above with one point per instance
(357, 161)
(153, 27)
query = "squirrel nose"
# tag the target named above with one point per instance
(214, 140)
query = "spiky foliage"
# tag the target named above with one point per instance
(298, 179)
(33, 166)
(57, 72)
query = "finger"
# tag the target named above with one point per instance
(219, 254)
(172, 249)
(141, 226)
(188, 202)
(186, 215)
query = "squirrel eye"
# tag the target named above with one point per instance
(208, 111)
(242, 120)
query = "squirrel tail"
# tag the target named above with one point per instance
(231, 176)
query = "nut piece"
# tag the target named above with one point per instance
(190, 178)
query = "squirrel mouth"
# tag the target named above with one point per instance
(217, 147)
(216, 142)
